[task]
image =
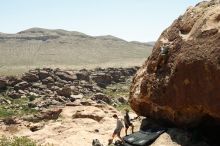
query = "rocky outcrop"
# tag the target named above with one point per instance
(51, 114)
(92, 113)
(184, 90)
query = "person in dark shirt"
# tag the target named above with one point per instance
(127, 122)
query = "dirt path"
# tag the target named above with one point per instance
(70, 131)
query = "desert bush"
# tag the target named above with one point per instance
(16, 141)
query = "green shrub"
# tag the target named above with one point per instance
(32, 97)
(5, 112)
(122, 107)
(17, 107)
(16, 141)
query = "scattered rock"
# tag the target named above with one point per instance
(13, 80)
(21, 86)
(101, 97)
(65, 76)
(30, 77)
(43, 74)
(101, 79)
(65, 91)
(10, 121)
(96, 130)
(14, 95)
(96, 142)
(84, 75)
(122, 100)
(87, 102)
(79, 96)
(39, 85)
(48, 80)
(76, 103)
(36, 126)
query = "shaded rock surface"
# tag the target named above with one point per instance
(185, 89)
(3, 83)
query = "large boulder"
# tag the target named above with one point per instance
(183, 90)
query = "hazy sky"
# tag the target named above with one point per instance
(140, 20)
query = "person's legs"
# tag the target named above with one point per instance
(132, 128)
(113, 135)
(119, 136)
(126, 131)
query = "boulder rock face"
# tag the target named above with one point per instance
(186, 88)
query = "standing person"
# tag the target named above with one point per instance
(117, 131)
(127, 122)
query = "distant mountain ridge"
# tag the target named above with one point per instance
(59, 32)
(38, 47)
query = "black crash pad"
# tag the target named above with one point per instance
(142, 138)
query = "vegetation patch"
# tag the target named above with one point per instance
(122, 107)
(16, 141)
(15, 107)
(119, 90)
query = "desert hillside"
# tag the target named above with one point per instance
(37, 47)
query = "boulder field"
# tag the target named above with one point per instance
(47, 86)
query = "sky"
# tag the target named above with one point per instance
(132, 20)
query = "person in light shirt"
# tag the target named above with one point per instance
(118, 128)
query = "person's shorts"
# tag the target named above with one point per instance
(117, 132)
(128, 125)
